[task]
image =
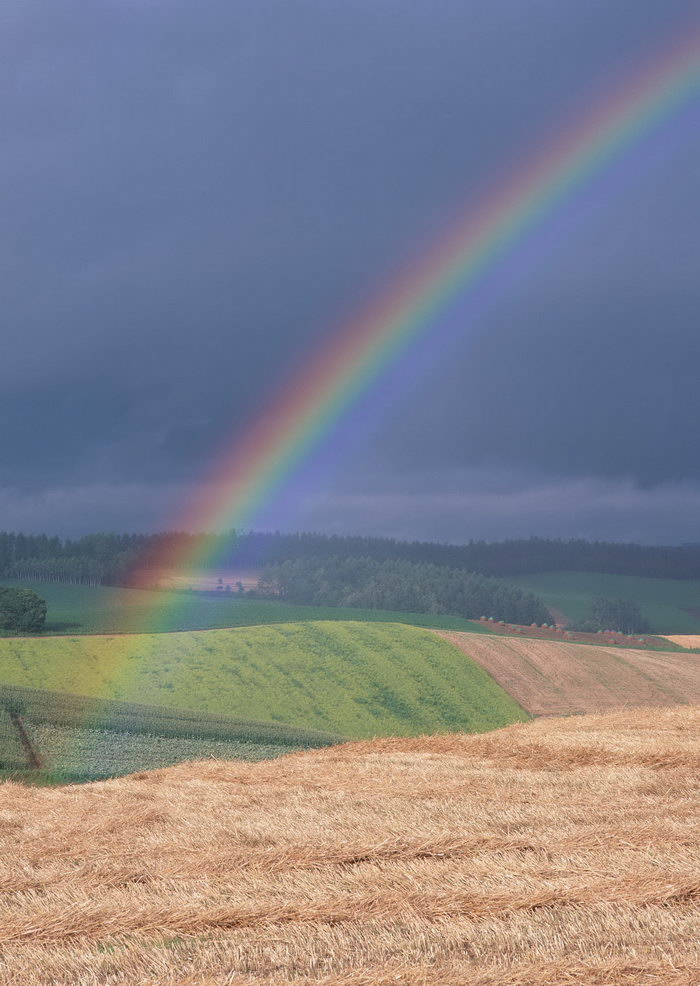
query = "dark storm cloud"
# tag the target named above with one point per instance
(511, 507)
(194, 196)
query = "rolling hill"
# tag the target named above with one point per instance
(670, 605)
(357, 679)
(556, 852)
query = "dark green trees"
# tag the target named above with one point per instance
(21, 610)
(109, 559)
(404, 586)
(622, 615)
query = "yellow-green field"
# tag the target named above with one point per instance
(353, 678)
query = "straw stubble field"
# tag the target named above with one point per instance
(557, 852)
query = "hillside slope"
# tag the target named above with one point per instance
(557, 852)
(551, 677)
(357, 679)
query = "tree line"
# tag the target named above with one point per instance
(96, 559)
(110, 559)
(404, 586)
(623, 615)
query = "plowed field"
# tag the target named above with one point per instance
(557, 852)
(554, 678)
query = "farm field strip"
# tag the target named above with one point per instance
(557, 677)
(567, 848)
(98, 753)
(79, 738)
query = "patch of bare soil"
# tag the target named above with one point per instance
(550, 677)
(558, 632)
(558, 853)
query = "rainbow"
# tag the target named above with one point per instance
(315, 401)
(335, 378)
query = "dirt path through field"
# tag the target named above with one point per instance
(555, 677)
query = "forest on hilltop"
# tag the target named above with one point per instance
(400, 585)
(109, 559)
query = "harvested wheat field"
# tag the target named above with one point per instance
(688, 640)
(557, 852)
(557, 678)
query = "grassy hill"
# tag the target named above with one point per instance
(105, 609)
(666, 603)
(563, 851)
(78, 738)
(358, 679)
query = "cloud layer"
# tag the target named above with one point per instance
(195, 197)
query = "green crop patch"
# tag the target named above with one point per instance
(355, 679)
(73, 737)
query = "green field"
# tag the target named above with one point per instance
(103, 609)
(357, 679)
(664, 602)
(79, 738)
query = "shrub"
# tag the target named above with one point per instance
(21, 610)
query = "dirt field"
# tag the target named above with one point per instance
(550, 677)
(555, 853)
(688, 640)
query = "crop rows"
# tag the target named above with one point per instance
(102, 753)
(78, 738)
(49, 708)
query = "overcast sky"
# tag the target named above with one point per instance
(195, 195)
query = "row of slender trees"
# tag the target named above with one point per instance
(96, 559)
(70, 570)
